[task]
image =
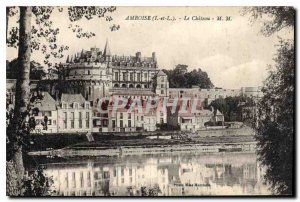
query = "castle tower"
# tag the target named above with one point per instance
(162, 87)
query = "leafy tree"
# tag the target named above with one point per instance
(181, 78)
(28, 37)
(37, 184)
(232, 107)
(275, 130)
(37, 71)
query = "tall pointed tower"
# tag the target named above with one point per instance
(106, 52)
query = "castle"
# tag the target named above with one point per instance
(96, 74)
(89, 76)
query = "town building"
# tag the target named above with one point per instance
(46, 118)
(74, 114)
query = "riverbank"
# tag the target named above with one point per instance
(154, 146)
(60, 140)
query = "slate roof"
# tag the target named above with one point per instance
(47, 103)
(71, 98)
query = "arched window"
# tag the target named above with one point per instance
(138, 86)
(116, 85)
(123, 85)
(130, 85)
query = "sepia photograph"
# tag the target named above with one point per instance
(151, 101)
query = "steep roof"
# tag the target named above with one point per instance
(161, 73)
(47, 103)
(71, 98)
(106, 51)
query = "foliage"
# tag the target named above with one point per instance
(37, 72)
(150, 190)
(181, 78)
(275, 130)
(280, 17)
(167, 127)
(37, 183)
(44, 34)
(232, 107)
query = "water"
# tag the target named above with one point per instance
(165, 174)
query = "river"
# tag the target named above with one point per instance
(167, 174)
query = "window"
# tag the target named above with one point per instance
(49, 122)
(117, 76)
(89, 179)
(87, 123)
(54, 122)
(121, 115)
(124, 76)
(145, 74)
(64, 106)
(162, 85)
(130, 171)
(87, 106)
(75, 105)
(129, 123)
(138, 77)
(142, 118)
(72, 119)
(162, 92)
(80, 119)
(65, 119)
(129, 115)
(73, 180)
(89, 73)
(113, 123)
(87, 115)
(81, 179)
(131, 76)
(121, 123)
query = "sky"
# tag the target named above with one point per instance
(233, 53)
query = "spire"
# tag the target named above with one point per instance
(81, 54)
(67, 61)
(106, 51)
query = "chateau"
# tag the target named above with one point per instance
(96, 74)
(89, 76)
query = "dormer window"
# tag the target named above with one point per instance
(76, 105)
(87, 105)
(64, 105)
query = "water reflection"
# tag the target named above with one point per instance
(167, 175)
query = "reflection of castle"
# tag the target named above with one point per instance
(173, 175)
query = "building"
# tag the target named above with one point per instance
(192, 121)
(46, 115)
(74, 114)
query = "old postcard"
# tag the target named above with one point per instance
(150, 101)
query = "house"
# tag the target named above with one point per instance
(192, 121)
(74, 114)
(45, 114)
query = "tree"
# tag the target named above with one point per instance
(275, 130)
(181, 78)
(26, 37)
(37, 71)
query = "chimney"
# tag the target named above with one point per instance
(153, 56)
